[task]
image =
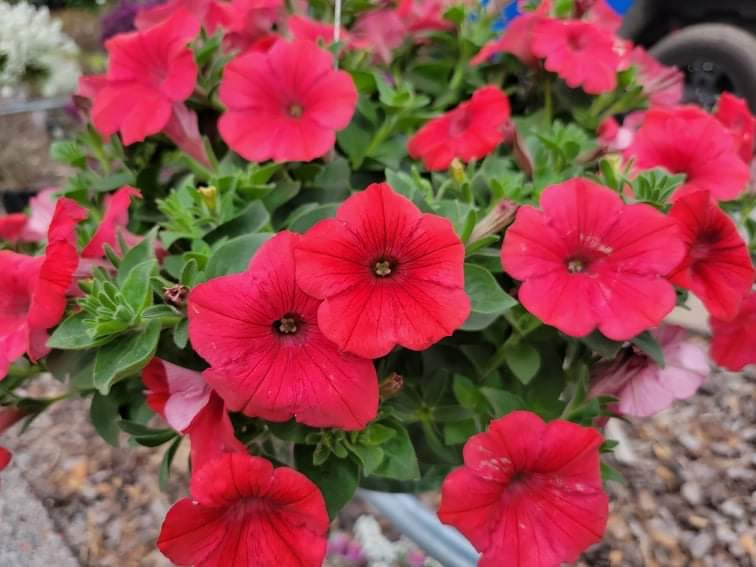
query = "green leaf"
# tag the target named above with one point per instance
(466, 392)
(103, 413)
(68, 152)
(334, 179)
(136, 289)
(165, 464)
(126, 356)
(650, 346)
(400, 460)
(251, 220)
(502, 402)
(114, 181)
(73, 334)
(181, 334)
(142, 252)
(487, 298)
(234, 256)
(146, 435)
(337, 478)
(459, 432)
(303, 222)
(376, 434)
(609, 473)
(371, 457)
(523, 360)
(601, 345)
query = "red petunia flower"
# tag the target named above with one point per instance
(643, 387)
(662, 85)
(113, 222)
(268, 357)
(33, 288)
(424, 15)
(245, 21)
(529, 492)
(189, 405)
(470, 131)
(380, 31)
(157, 15)
(687, 140)
(587, 260)
(732, 111)
(733, 343)
(245, 512)
(11, 226)
(717, 266)
(286, 104)
(517, 37)
(302, 27)
(599, 13)
(581, 53)
(9, 416)
(32, 228)
(387, 274)
(148, 73)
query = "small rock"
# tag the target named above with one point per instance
(616, 558)
(646, 501)
(697, 521)
(692, 493)
(724, 450)
(732, 509)
(690, 442)
(700, 545)
(662, 452)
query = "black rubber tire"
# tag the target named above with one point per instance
(730, 48)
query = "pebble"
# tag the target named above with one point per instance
(732, 509)
(692, 493)
(701, 544)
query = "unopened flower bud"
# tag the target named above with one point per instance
(391, 386)
(457, 171)
(209, 196)
(176, 295)
(501, 215)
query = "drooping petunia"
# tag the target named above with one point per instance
(189, 405)
(148, 73)
(113, 223)
(470, 131)
(245, 22)
(686, 140)
(387, 274)
(732, 111)
(33, 288)
(259, 332)
(663, 85)
(733, 343)
(517, 37)
(244, 512)
(589, 261)
(529, 493)
(717, 266)
(642, 386)
(285, 104)
(581, 53)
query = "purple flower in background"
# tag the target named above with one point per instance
(121, 18)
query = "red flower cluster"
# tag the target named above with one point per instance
(244, 512)
(529, 493)
(470, 131)
(589, 261)
(733, 113)
(33, 288)
(686, 140)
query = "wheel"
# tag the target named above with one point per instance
(714, 58)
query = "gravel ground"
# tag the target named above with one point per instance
(689, 500)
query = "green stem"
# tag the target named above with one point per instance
(378, 138)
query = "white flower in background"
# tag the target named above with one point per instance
(382, 552)
(34, 49)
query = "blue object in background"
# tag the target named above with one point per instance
(511, 11)
(621, 6)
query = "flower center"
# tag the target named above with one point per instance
(295, 110)
(384, 267)
(289, 324)
(576, 265)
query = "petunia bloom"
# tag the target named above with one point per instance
(424, 15)
(245, 512)
(529, 493)
(581, 53)
(643, 387)
(687, 140)
(717, 266)
(733, 343)
(517, 37)
(589, 261)
(387, 274)
(113, 223)
(245, 21)
(732, 111)
(33, 288)
(189, 405)
(302, 27)
(599, 13)
(286, 104)
(259, 332)
(155, 15)
(148, 73)
(663, 85)
(380, 31)
(31, 228)
(11, 226)
(470, 131)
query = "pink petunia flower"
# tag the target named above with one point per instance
(245, 512)
(149, 72)
(33, 288)
(258, 330)
(732, 111)
(517, 37)
(470, 131)
(286, 104)
(643, 387)
(717, 266)
(32, 228)
(245, 22)
(387, 274)
(599, 13)
(589, 261)
(158, 14)
(529, 493)
(380, 31)
(662, 85)
(733, 343)
(189, 405)
(581, 53)
(687, 140)
(302, 27)
(424, 15)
